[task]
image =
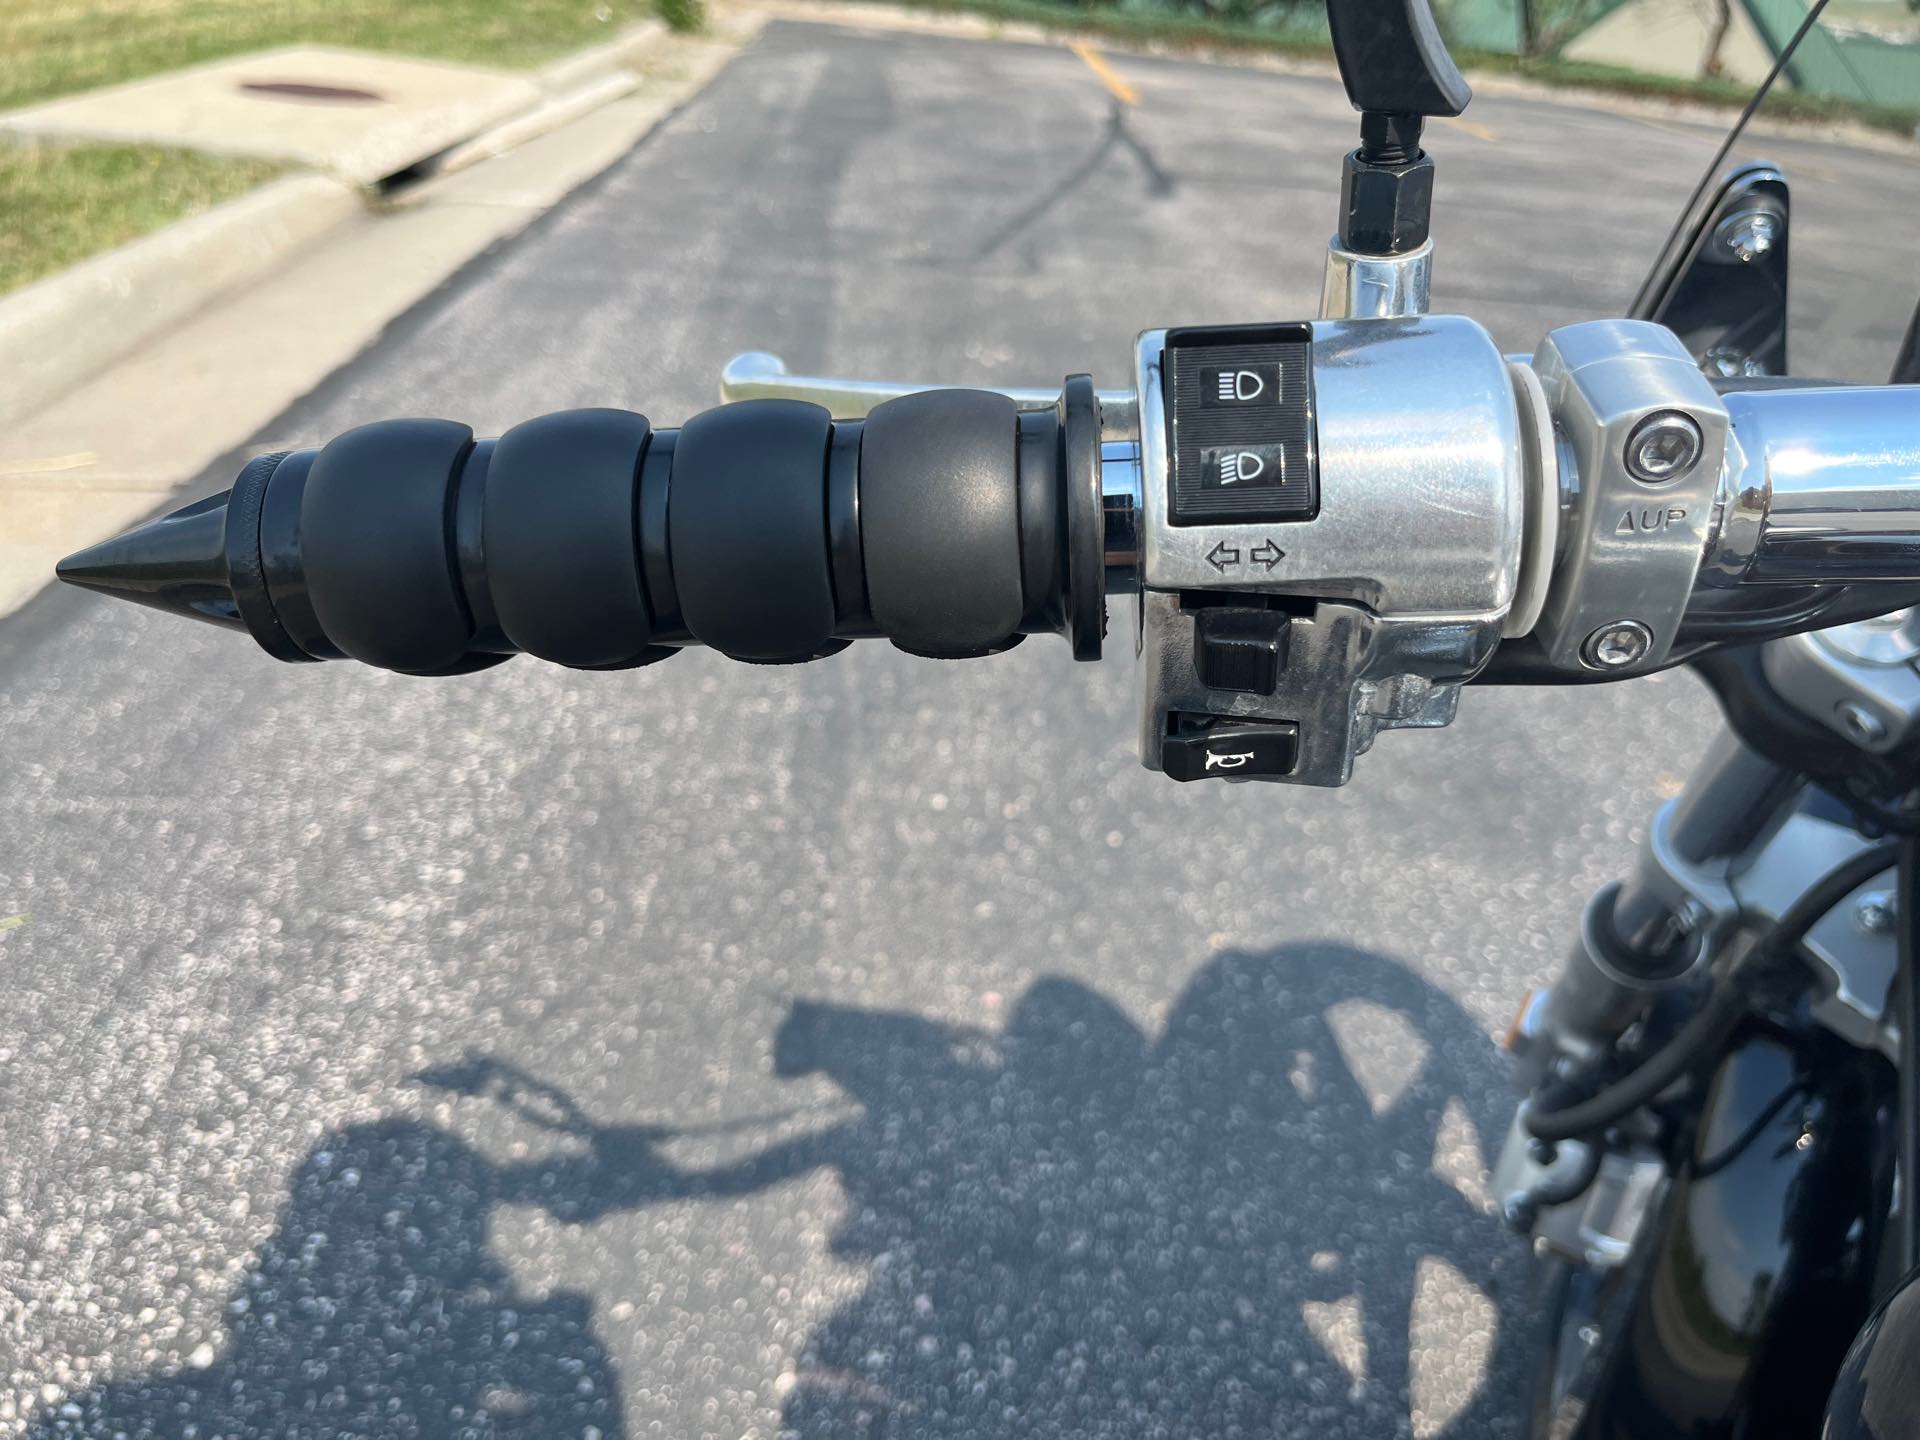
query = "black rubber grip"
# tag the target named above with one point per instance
(246, 570)
(940, 521)
(558, 533)
(282, 566)
(947, 522)
(375, 542)
(747, 530)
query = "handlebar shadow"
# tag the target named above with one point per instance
(1070, 1227)
(1075, 1228)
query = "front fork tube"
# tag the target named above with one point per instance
(1650, 933)
(1638, 939)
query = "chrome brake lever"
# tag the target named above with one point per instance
(757, 375)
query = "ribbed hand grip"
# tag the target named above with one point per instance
(559, 532)
(374, 537)
(940, 521)
(747, 529)
(766, 530)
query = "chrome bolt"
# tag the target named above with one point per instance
(1874, 912)
(1663, 447)
(1863, 727)
(1616, 645)
(1728, 363)
(1749, 234)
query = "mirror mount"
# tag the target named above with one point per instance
(1397, 74)
(1722, 285)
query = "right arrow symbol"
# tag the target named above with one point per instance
(1266, 553)
(1223, 555)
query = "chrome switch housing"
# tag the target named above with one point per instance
(1388, 569)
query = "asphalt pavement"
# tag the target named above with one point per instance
(869, 1048)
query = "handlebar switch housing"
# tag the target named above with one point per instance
(1327, 565)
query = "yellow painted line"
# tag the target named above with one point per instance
(78, 461)
(1109, 77)
(1472, 127)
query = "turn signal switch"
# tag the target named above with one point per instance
(1334, 538)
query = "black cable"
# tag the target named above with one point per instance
(1702, 1034)
(1724, 1005)
(1713, 166)
(1906, 901)
(1807, 911)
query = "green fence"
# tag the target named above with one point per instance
(1850, 64)
(1846, 61)
(1481, 24)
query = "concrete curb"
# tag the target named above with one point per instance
(56, 333)
(589, 95)
(75, 471)
(572, 71)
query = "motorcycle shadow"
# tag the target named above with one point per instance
(1069, 1227)
(1073, 1228)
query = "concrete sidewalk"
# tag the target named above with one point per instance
(113, 449)
(352, 113)
(354, 122)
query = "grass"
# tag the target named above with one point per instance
(1180, 31)
(54, 47)
(59, 205)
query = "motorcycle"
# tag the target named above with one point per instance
(1330, 528)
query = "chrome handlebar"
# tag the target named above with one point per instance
(1589, 504)
(1821, 487)
(1330, 528)
(756, 375)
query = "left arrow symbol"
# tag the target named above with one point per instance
(1223, 555)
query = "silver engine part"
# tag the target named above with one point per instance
(1598, 1225)
(1786, 839)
